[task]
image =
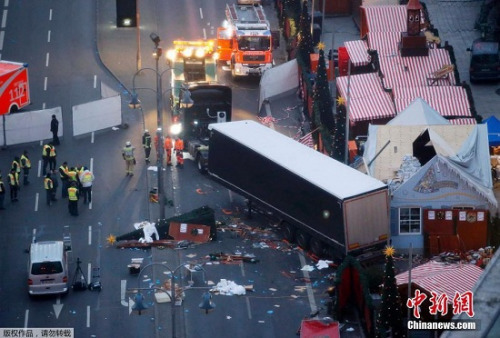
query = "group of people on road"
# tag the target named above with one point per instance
(76, 184)
(19, 164)
(76, 181)
(23, 164)
(169, 145)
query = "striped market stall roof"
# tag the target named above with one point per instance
(414, 71)
(385, 18)
(463, 121)
(443, 278)
(447, 100)
(385, 43)
(368, 100)
(357, 51)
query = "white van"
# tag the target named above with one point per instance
(47, 268)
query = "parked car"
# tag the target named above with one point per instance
(485, 60)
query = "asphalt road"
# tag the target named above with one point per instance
(65, 70)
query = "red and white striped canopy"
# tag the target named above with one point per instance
(443, 278)
(357, 51)
(463, 121)
(413, 71)
(447, 100)
(386, 18)
(408, 76)
(368, 100)
(385, 43)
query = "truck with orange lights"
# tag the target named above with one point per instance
(244, 42)
(323, 205)
(14, 86)
(194, 71)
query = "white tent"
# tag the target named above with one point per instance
(418, 113)
(278, 80)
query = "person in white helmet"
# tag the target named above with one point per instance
(146, 144)
(128, 156)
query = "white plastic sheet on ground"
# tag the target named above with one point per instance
(229, 288)
(149, 229)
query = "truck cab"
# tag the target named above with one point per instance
(212, 103)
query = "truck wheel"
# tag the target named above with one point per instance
(317, 247)
(303, 239)
(288, 232)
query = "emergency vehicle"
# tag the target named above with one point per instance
(191, 62)
(14, 86)
(245, 40)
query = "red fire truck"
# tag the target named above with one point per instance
(245, 40)
(14, 86)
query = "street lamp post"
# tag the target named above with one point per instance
(139, 298)
(159, 110)
(135, 103)
(138, 33)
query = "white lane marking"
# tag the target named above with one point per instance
(40, 163)
(310, 293)
(90, 234)
(89, 267)
(43, 105)
(88, 315)
(249, 309)
(36, 202)
(95, 81)
(2, 36)
(92, 137)
(204, 33)
(58, 307)
(47, 57)
(26, 316)
(45, 83)
(6, 3)
(48, 36)
(50, 14)
(4, 18)
(33, 236)
(123, 290)
(201, 13)
(242, 269)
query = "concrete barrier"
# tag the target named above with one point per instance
(30, 126)
(97, 115)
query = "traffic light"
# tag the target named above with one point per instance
(126, 13)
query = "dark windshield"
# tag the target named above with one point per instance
(485, 59)
(258, 43)
(46, 268)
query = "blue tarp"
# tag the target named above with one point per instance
(493, 130)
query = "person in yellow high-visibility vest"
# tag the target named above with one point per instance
(49, 186)
(52, 157)
(73, 199)
(14, 185)
(128, 156)
(45, 157)
(26, 165)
